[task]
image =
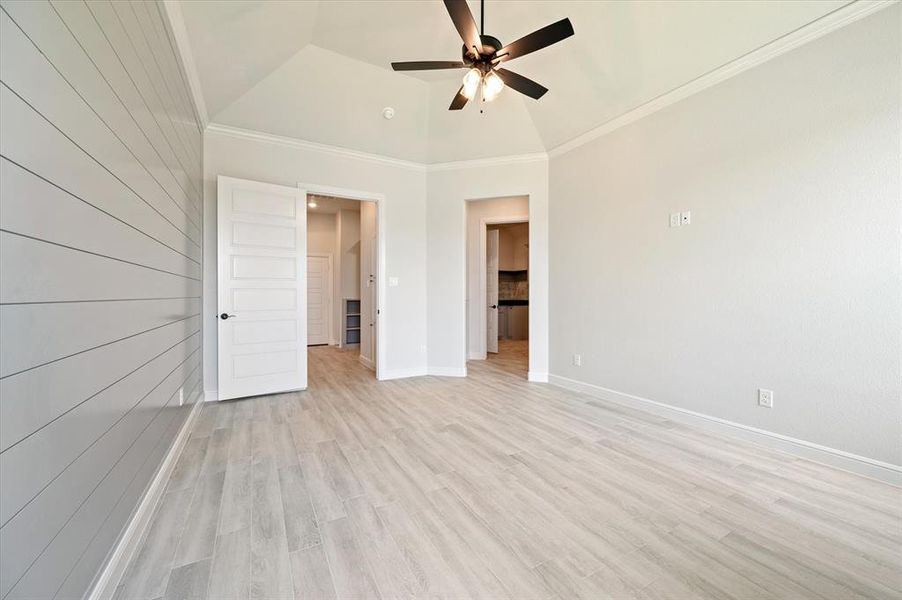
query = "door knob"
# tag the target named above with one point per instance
(225, 316)
(494, 306)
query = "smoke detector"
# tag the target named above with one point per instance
(388, 112)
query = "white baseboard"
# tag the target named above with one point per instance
(211, 395)
(114, 570)
(447, 371)
(476, 356)
(367, 363)
(840, 459)
(537, 376)
(402, 374)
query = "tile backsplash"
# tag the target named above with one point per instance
(513, 290)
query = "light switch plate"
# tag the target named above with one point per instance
(685, 217)
(674, 219)
(392, 282)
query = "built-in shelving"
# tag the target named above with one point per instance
(350, 320)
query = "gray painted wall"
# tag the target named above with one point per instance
(100, 279)
(789, 276)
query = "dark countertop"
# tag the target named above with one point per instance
(511, 302)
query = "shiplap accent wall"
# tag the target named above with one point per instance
(100, 279)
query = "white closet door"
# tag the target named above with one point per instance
(262, 245)
(319, 299)
(491, 290)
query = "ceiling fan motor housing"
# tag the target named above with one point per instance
(490, 45)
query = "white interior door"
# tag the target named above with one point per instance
(262, 244)
(319, 299)
(491, 290)
(368, 284)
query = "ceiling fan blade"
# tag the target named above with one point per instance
(465, 24)
(427, 65)
(524, 85)
(546, 36)
(459, 100)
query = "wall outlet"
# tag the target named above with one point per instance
(181, 396)
(577, 360)
(674, 219)
(685, 217)
(392, 282)
(766, 398)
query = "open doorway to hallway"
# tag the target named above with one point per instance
(507, 296)
(341, 281)
(498, 283)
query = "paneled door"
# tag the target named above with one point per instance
(491, 289)
(319, 299)
(262, 300)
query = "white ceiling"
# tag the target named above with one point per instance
(319, 70)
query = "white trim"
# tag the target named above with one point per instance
(537, 376)
(365, 361)
(446, 371)
(402, 374)
(291, 142)
(379, 199)
(331, 302)
(495, 161)
(173, 11)
(211, 395)
(105, 585)
(477, 356)
(783, 44)
(299, 143)
(841, 459)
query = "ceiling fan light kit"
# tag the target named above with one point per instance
(482, 54)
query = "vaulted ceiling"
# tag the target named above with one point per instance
(319, 70)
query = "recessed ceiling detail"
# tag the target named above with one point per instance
(319, 71)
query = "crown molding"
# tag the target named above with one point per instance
(297, 143)
(290, 142)
(497, 161)
(837, 19)
(173, 11)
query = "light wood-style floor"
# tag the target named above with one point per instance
(492, 487)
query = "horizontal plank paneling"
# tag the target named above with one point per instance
(33, 142)
(100, 279)
(64, 384)
(112, 26)
(64, 57)
(84, 27)
(37, 271)
(38, 459)
(50, 332)
(37, 209)
(29, 75)
(44, 519)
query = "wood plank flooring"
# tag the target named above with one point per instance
(492, 487)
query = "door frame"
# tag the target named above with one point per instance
(327, 255)
(379, 292)
(484, 222)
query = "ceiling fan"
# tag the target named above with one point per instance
(482, 54)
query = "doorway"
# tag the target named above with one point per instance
(346, 231)
(498, 283)
(507, 295)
